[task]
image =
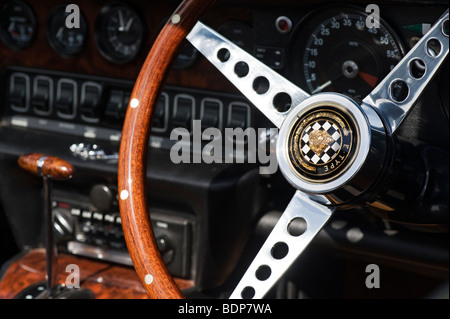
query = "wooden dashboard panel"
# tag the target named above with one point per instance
(90, 62)
(105, 280)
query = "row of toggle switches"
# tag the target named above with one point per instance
(102, 103)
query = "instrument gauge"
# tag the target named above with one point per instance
(186, 58)
(66, 41)
(119, 33)
(338, 52)
(17, 24)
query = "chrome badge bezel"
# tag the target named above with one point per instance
(338, 107)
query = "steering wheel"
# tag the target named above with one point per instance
(333, 150)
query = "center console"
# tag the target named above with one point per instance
(80, 117)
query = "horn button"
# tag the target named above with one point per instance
(322, 144)
(328, 143)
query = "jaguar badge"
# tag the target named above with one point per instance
(321, 144)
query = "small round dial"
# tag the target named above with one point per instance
(186, 58)
(119, 33)
(64, 40)
(17, 24)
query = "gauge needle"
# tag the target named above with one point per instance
(326, 84)
(59, 33)
(368, 78)
(320, 88)
(11, 26)
(122, 24)
(130, 22)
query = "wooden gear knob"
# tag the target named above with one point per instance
(46, 166)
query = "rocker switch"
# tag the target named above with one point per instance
(66, 98)
(19, 88)
(90, 106)
(41, 99)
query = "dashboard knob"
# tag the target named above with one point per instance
(102, 197)
(165, 248)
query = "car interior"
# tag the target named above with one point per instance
(224, 149)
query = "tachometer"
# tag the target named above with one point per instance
(338, 52)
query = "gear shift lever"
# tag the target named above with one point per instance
(51, 168)
(48, 168)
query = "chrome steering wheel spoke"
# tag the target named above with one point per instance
(330, 148)
(283, 246)
(397, 93)
(270, 92)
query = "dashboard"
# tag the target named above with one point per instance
(66, 76)
(309, 46)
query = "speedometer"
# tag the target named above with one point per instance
(338, 52)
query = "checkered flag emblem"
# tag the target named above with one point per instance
(328, 151)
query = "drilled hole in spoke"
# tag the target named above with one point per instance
(417, 68)
(263, 272)
(398, 90)
(279, 250)
(248, 293)
(241, 69)
(433, 47)
(223, 55)
(445, 28)
(282, 102)
(261, 85)
(297, 226)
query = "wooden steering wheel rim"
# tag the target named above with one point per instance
(136, 224)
